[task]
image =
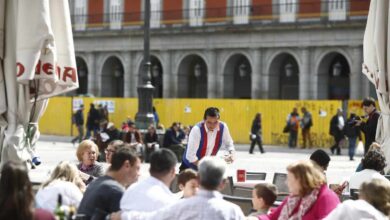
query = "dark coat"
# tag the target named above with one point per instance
(334, 129)
(256, 127)
(369, 128)
(170, 138)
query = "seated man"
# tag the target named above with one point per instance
(321, 158)
(134, 138)
(206, 204)
(153, 193)
(103, 195)
(173, 140)
(373, 164)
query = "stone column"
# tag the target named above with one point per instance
(355, 91)
(92, 74)
(265, 83)
(167, 74)
(127, 63)
(304, 75)
(135, 71)
(256, 76)
(212, 74)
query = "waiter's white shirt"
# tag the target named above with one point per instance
(148, 195)
(194, 141)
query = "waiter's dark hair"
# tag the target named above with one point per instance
(368, 101)
(211, 112)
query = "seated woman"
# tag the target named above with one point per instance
(151, 141)
(87, 153)
(369, 205)
(373, 163)
(64, 180)
(16, 194)
(310, 198)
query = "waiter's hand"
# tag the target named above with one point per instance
(115, 216)
(230, 157)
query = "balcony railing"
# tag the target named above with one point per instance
(276, 14)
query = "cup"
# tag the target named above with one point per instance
(241, 175)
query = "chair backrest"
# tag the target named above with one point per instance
(174, 185)
(354, 194)
(244, 203)
(280, 182)
(387, 177)
(229, 185)
(242, 192)
(256, 176)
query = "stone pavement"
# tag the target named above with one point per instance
(53, 149)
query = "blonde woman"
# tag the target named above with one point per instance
(64, 180)
(310, 198)
(369, 206)
(87, 154)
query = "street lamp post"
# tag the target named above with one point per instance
(144, 116)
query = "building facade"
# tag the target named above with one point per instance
(259, 49)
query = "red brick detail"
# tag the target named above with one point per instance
(262, 9)
(173, 11)
(359, 7)
(132, 11)
(309, 9)
(215, 10)
(95, 12)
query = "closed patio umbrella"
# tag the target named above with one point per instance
(39, 63)
(376, 66)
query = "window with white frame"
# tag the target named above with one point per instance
(288, 10)
(337, 10)
(115, 14)
(155, 13)
(80, 15)
(241, 11)
(196, 12)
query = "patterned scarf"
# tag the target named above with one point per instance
(304, 203)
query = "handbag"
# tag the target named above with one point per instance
(286, 128)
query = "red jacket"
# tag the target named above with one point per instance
(327, 201)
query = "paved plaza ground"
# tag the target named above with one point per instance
(53, 149)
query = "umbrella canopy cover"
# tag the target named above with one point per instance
(376, 66)
(45, 50)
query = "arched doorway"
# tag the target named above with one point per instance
(192, 77)
(112, 78)
(237, 77)
(156, 76)
(333, 77)
(82, 71)
(284, 77)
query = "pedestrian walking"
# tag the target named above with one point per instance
(337, 124)
(78, 120)
(255, 136)
(352, 132)
(293, 125)
(306, 124)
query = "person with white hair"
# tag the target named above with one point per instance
(208, 203)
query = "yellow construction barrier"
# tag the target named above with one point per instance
(238, 114)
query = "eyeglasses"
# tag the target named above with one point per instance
(109, 151)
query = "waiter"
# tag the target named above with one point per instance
(206, 138)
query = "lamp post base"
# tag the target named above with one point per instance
(144, 116)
